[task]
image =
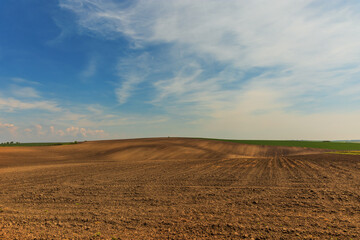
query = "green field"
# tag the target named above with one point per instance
(343, 146)
(35, 144)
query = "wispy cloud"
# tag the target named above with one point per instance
(24, 92)
(93, 14)
(24, 81)
(131, 70)
(21, 97)
(12, 104)
(90, 69)
(127, 86)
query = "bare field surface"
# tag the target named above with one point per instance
(177, 188)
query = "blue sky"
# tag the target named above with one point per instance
(102, 69)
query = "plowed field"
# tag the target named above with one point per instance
(177, 188)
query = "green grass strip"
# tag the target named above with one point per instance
(307, 144)
(36, 144)
(347, 152)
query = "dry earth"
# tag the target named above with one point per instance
(174, 188)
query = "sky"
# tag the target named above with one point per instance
(114, 69)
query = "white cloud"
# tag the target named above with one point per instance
(12, 104)
(52, 130)
(17, 98)
(61, 133)
(28, 130)
(24, 92)
(261, 33)
(39, 130)
(82, 132)
(9, 128)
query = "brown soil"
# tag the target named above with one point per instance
(176, 188)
